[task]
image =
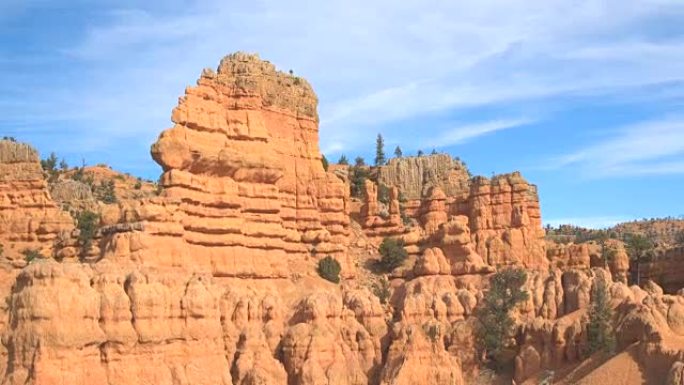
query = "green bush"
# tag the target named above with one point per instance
(106, 192)
(392, 253)
(138, 185)
(359, 174)
(326, 165)
(381, 289)
(496, 325)
(329, 269)
(87, 226)
(31, 255)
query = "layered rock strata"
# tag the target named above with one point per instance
(245, 192)
(29, 218)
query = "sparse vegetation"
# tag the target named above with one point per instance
(383, 193)
(31, 255)
(329, 269)
(600, 334)
(106, 192)
(87, 226)
(392, 253)
(10, 138)
(432, 332)
(679, 238)
(496, 325)
(381, 289)
(49, 165)
(137, 185)
(63, 165)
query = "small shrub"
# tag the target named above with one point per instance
(381, 289)
(383, 193)
(324, 160)
(432, 331)
(393, 253)
(2, 250)
(106, 192)
(329, 269)
(359, 174)
(31, 255)
(50, 163)
(10, 138)
(87, 226)
(138, 185)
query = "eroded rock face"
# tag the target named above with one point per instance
(214, 282)
(29, 218)
(245, 192)
(418, 175)
(666, 269)
(503, 213)
(505, 221)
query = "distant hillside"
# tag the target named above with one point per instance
(663, 232)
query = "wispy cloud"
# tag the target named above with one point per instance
(372, 63)
(650, 148)
(468, 132)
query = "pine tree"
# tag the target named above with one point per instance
(600, 334)
(420, 153)
(49, 164)
(380, 151)
(496, 325)
(343, 160)
(397, 152)
(638, 245)
(325, 163)
(434, 151)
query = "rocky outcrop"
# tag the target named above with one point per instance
(503, 212)
(665, 268)
(505, 221)
(245, 193)
(416, 176)
(29, 218)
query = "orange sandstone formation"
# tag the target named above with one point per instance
(214, 282)
(245, 192)
(29, 218)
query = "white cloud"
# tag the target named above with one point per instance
(468, 132)
(650, 148)
(371, 63)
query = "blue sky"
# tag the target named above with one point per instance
(585, 98)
